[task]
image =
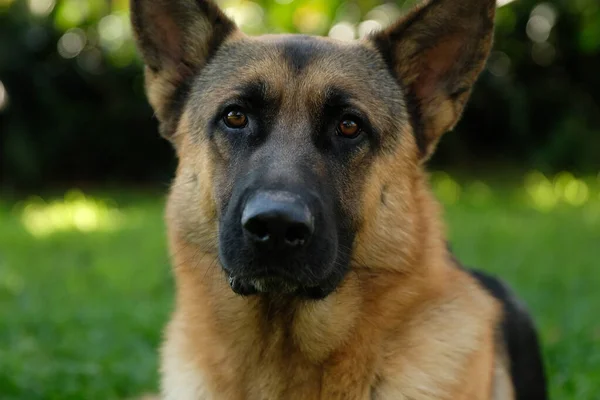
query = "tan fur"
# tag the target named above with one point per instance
(421, 329)
(423, 333)
(405, 323)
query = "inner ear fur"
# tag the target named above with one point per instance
(176, 38)
(436, 52)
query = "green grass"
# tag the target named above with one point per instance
(81, 312)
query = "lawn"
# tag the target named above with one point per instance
(85, 286)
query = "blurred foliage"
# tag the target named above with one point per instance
(72, 107)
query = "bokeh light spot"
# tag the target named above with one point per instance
(561, 181)
(367, 27)
(113, 29)
(499, 64)
(538, 28)
(446, 188)
(71, 13)
(310, 20)
(343, 31)
(3, 97)
(71, 43)
(541, 191)
(478, 193)
(90, 61)
(247, 15)
(41, 8)
(543, 54)
(385, 14)
(546, 11)
(576, 192)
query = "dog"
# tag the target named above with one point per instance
(308, 251)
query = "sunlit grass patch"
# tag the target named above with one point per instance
(74, 212)
(446, 188)
(450, 190)
(538, 191)
(547, 193)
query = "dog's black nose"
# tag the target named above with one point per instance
(280, 220)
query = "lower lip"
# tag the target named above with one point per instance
(261, 285)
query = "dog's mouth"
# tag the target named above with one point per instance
(256, 285)
(271, 284)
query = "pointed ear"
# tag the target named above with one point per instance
(176, 39)
(437, 52)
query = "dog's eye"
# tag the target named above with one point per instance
(348, 128)
(235, 119)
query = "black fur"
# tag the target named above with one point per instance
(299, 51)
(386, 47)
(520, 339)
(175, 106)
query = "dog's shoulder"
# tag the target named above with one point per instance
(518, 338)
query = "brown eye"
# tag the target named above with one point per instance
(348, 128)
(236, 119)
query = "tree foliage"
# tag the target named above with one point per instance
(72, 107)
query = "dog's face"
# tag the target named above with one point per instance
(297, 153)
(294, 124)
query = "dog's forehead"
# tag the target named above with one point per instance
(301, 52)
(301, 67)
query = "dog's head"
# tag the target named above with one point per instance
(299, 155)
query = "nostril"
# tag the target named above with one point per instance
(257, 228)
(296, 235)
(277, 220)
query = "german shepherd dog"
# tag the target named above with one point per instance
(308, 251)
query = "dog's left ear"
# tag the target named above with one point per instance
(437, 52)
(176, 39)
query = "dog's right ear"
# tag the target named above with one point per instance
(176, 39)
(436, 52)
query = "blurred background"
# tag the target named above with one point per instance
(85, 286)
